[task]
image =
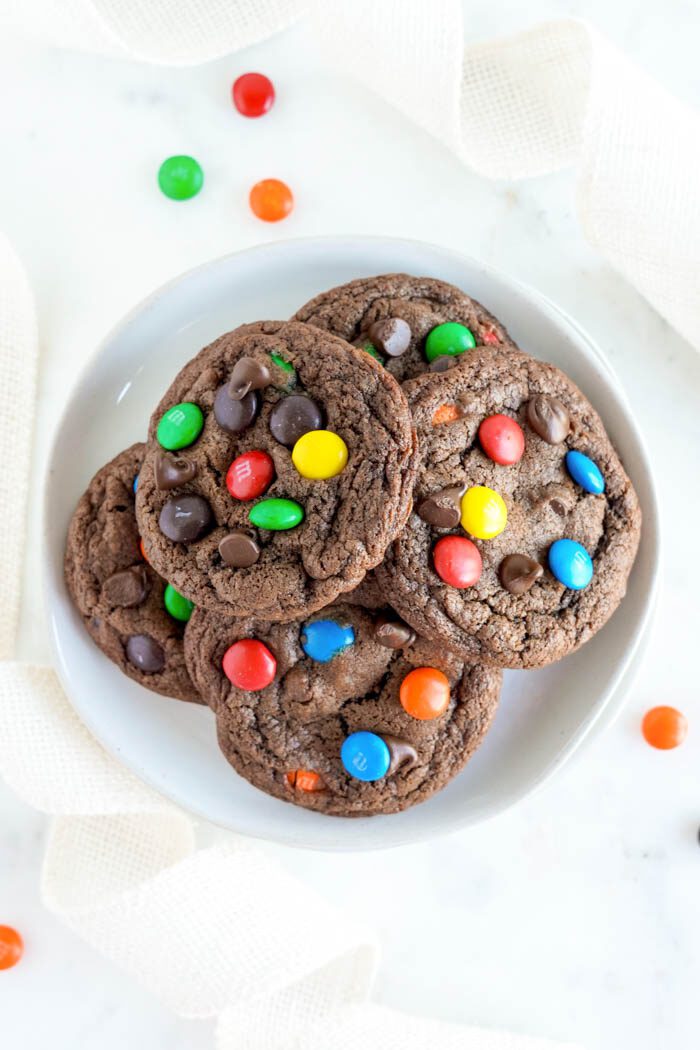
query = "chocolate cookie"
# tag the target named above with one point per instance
(346, 712)
(410, 324)
(119, 596)
(525, 525)
(279, 467)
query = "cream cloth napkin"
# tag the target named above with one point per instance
(533, 103)
(221, 931)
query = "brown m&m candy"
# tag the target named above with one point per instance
(517, 573)
(235, 415)
(549, 418)
(294, 416)
(171, 471)
(144, 652)
(392, 336)
(239, 550)
(442, 509)
(248, 374)
(185, 518)
(127, 588)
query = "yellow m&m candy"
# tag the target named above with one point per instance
(319, 454)
(484, 513)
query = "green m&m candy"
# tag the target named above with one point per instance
(179, 607)
(180, 426)
(180, 177)
(448, 340)
(276, 514)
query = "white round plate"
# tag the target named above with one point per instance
(544, 716)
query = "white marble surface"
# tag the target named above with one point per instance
(576, 915)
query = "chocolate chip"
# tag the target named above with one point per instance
(293, 416)
(402, 754)
(442, 363)
(442, 509)
(126, 589)
(517, 573)
(549, 418)
(558, 507)
(235, 416)
(393, 633)
(248, 374)
(239, 550)
(392, 336)
(144, 652)
(185, 518)
(170, 471)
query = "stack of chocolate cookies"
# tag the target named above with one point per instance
(342, 527)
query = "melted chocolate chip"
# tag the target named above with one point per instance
(517, 573)
(392, 336)
(294, 416)
(185, 518)
(248, 374)
(235, 416)
(393, 633)
(239, 550)
(144, 653)
(558, 507)
(442, 509)
(126, 589)
(170, 471)
(549, 418)
(402, 754)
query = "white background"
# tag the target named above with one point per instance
(575, 916)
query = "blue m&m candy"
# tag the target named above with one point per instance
(324, 639)
(585, 472)
(136, 484)
(365, 756)
(571, 564)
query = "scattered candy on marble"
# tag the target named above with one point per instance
(145, 653)
(172, 471)
(277, 515)
(448, 339)
(179, 607)
(184, 519)
(549, 418)
(457, 561)
(585, 472)
(365, 756)
(11, 947)
(248, 664)
(502, 439)
(180, 426)
(319, 455)
(180, 177)
(425, 693)
(253, 94)
(518, 572)
(571, 564)
(321, 640)
(250, 475)
(271, 200)
(484, 514)
(305, 780)
(239, 550)
(294, 416)
(234, 415)
(664, 727)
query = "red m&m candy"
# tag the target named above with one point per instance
(253, 94)
(248, 664)
(457, 561)
(502, 439)
(11, 947)
(250, 475)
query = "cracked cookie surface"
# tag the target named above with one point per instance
(544, 504)
(286, 738)
(118, 595)
(347, 520)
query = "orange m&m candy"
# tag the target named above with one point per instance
(425, 693)
(143, 551)
(271, 200)
(11, 947)
(664, 727)
(305, 780)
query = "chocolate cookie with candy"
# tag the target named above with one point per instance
(525, 525)
(280, 465)
(410, 324)
(346, 712)
(135, 618)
